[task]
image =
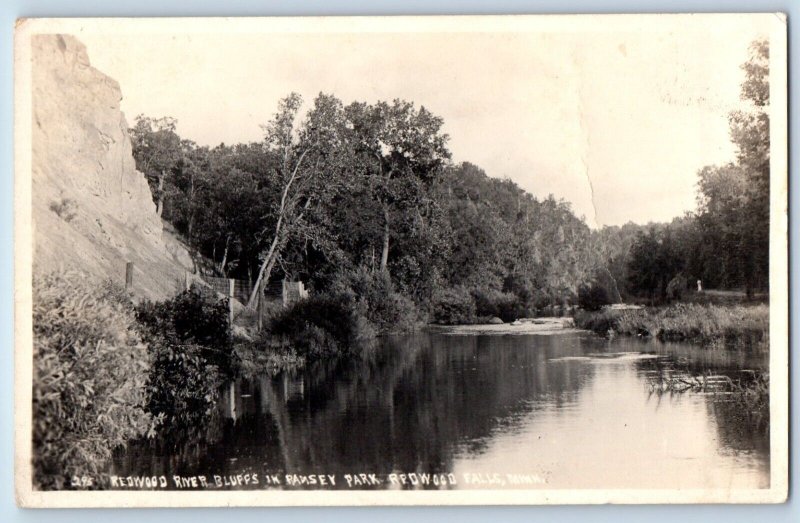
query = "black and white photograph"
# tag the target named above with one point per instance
(401, 260)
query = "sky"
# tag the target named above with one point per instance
(616, 118)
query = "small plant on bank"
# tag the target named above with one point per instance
(65, 208)
(491, 303)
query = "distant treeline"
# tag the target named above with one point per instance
(725, 242)
(347, 189)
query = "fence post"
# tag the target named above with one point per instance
(231, 283)
(128, 275)
(260, 307)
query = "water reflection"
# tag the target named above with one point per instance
(568, 411)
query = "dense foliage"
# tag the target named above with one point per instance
(191, 349)
(592, 297)
(363, 188)
(90, 368)
(453, 306)
(320, 326)
(360, 189)
(372, 296)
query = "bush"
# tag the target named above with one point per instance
(65, 208)
(597, 321)
(373, 297)
(182, 388)
(195, 318)
(453, 306)
(507, 306)
(592, 297)
(266, 354)
(189, 341)
(322, 325)
(89, 374)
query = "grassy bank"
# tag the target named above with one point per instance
(712, 325)
(263, 356)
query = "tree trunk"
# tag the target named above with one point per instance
(225, 257)
(269, 260)
(266, 269)
(160, 203)
(190, 226)
(385, 252)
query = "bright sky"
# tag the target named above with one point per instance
(637, 107)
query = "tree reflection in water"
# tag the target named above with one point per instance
(416, 403)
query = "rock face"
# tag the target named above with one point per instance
(92, 210)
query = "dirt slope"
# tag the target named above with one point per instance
(92, 209)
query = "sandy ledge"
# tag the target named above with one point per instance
(540, 326)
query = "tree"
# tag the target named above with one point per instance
(750, 134)
(304, 153)
(404, 150)
(156, 150)
(734, 199)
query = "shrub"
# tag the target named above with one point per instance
(373, 297)
(322, 325)
(189, 341)
(592, 297)
(507, 306)
(89, 374)
(196, 318)
(597, 321)
(65, 208)
(182, 387)
(453, 306)
(266, 354)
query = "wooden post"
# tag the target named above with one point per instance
(128, 275)
(231, 283)
(260, 309)
(232, 400)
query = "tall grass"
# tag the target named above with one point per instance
(714, 325)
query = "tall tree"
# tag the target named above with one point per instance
(734, 199)
(156, 150)
(305, 155)
(404, 149)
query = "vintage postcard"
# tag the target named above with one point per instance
(401, 260)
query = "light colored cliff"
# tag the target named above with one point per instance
(92, 209)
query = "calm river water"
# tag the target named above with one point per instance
(524, 411)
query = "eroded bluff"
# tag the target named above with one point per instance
(92, 210)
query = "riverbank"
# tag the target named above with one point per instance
(707, 325)
(541, 326)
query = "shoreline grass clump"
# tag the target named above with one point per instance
(752, 397)
(266, 355)
(709, 325)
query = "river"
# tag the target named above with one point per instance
(479, 411)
